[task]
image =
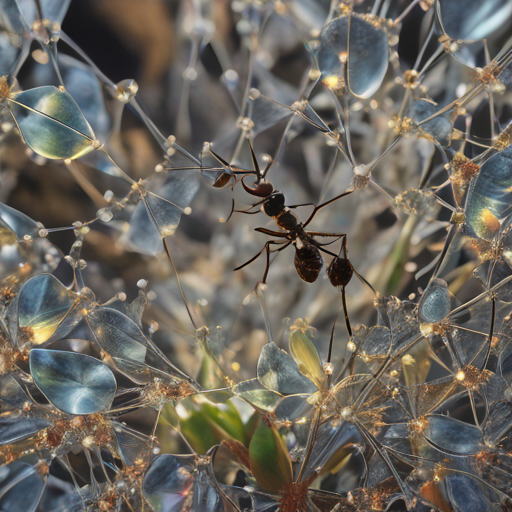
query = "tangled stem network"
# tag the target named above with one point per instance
(340, 341)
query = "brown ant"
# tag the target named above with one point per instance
(308, 257)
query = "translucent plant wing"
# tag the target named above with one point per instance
(468, 20)
(51, 123)
(21, 487)
(43, 304)
(279, 372)
(264, 113)
(254, 393)
(13, 42)
(15, 426)
(117, 335)
(75, 383)
(434, 305)
(11, 392)
(351, 46)
(438, 128)
(10, 53)
(10, 17)
(169, 482)
(167, 197)
(53, 10)
(489, 196)
(84, 87)
(452, 435)
(20, 223)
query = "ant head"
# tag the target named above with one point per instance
(262, 189)
(274, 204)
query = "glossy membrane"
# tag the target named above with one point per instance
(468, 20)
(489, 198)
(159, 212)
(21, 487)
(51, 123)
(362, 45)
(73, 382)
(434, 305)
(168, 482)
(43, 305)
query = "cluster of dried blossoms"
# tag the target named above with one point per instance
(114, 398)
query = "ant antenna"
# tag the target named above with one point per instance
(359, 276)
(230, 213)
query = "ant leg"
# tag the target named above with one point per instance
(359, 276)
(281, 248)
(336, 235)
(345, 311)
(265, 247)
(344, 248)
(316, 244)
(267, 267)
(329, 243)
(247, 209)
(364, 281)
(320, 206)
(279, 234)
(321, 233)
(247, 212)
(303, 204)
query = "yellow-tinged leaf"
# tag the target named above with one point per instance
(270, 461)
(338, 460)
(51, 123)
(305, 353)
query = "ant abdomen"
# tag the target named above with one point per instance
(340, 271)
(308, 262)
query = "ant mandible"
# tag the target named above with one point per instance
(308, 258)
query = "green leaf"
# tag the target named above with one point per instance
(51, 123)
(201, 433)
(305, 353)
(205, 424)
(270, 461)
(226, 416)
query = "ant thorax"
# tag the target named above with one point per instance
(287, 220)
